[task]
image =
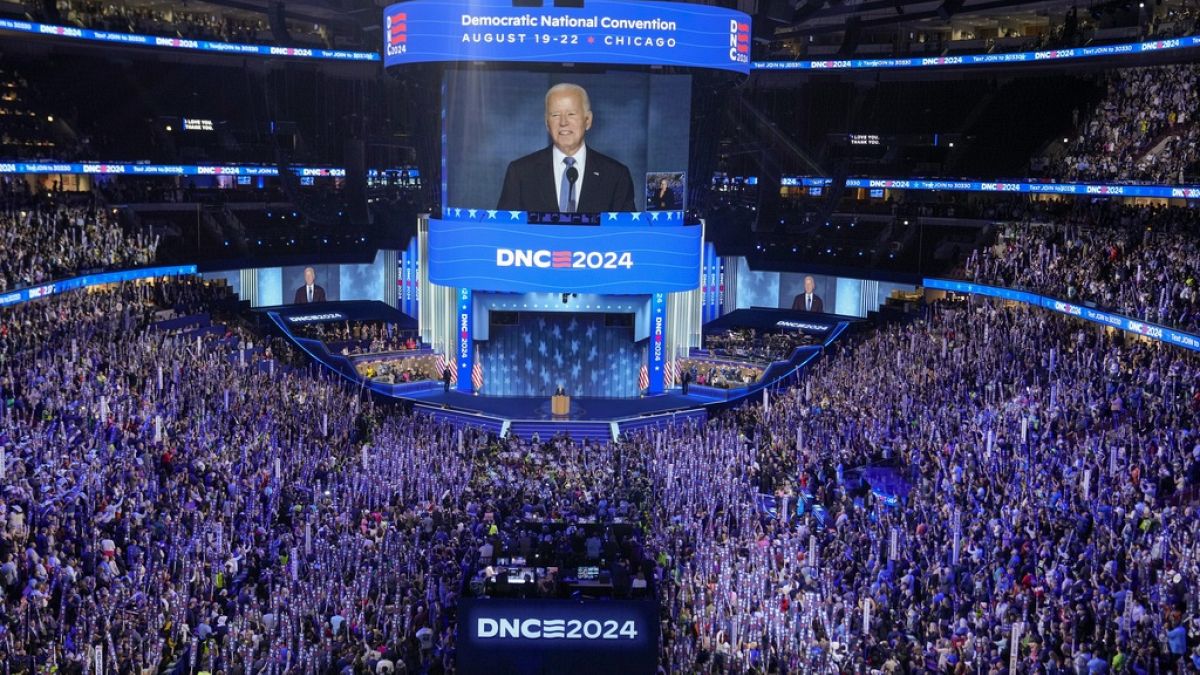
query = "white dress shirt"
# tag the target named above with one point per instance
(807, 301)
(310, 293)
(560, 168)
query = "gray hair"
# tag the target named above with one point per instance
(568, 88)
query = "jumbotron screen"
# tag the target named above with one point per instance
(507, 134)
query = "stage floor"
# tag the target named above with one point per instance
(582, 409)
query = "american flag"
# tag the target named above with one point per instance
(643, 378)
(477, 372)
(669, 373)
(439, 362)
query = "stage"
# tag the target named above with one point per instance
(594, 418)
(582, 409)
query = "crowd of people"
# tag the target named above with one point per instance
(58, 237)
(1140, 261)
(752, 345)
(361, 337)
(1049, 522)
(399, 369)
(173, 22)
(1144, 129)
(209, 501)
(712, 372)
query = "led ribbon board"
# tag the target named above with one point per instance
(512, 256)
(602, 31)
(1148, 330)
(1087, 189)
(163, 169)
(182, 43)
(1128, 48)
(22, 295)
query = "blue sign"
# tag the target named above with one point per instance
(598, 31)
(658, 342)
(985, 59)
(1149, 330)
(182, 43)
(499, 635)
(99, 168)
(53, 288)
(512, 256)
(1085, 189)
(464, 355)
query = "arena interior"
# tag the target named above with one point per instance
(597, 336)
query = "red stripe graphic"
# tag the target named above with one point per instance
(397, 39)
(743, 48)
(744, 27)
(399, 27)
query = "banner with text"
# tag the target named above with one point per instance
(520, 258)
(600, 31)
(498, 635)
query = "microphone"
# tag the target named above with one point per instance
(572, 176)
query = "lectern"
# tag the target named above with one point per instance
(560, 405)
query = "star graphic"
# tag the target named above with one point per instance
(471, 213)
(637, 216)
(457, 212)
(612, 216)
(514, 215)
(654, 215)
(491, 215)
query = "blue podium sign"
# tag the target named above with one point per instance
(601, 31)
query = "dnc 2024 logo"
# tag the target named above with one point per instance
(396, 28)
(547, 259)
(739, 41)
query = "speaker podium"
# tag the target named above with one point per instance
(560, 405)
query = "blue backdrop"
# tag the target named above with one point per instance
(545, 350)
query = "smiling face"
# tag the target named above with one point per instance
(568, 117)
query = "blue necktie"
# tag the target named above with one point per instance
(566, 198)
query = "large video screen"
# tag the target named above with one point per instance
(314, 283)
(508, 132)
(815, 293)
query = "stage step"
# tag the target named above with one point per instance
(547, 429)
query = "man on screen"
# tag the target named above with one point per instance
(568, 176)
(808, 301)
(310, 291)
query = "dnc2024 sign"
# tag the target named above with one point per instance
(506, 255)
(601, 31)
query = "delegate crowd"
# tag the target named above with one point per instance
(182, 503)
(1049, 522)
(45, 240)
(1143, 129)
(172, 22)
(1140, 261)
